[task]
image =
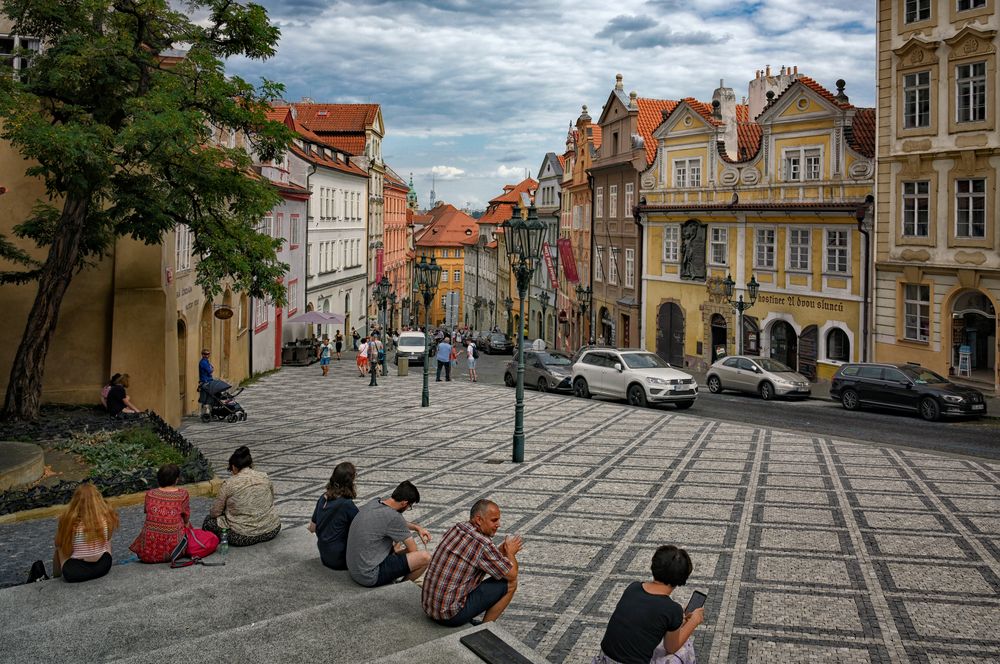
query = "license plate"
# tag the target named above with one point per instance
(978, 406)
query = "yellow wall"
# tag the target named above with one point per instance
(451, 263)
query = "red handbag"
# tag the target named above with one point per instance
(194, 545)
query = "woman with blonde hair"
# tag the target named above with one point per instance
(83, 536)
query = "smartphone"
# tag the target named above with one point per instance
(696, 602)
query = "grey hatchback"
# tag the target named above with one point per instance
(768, 378)
(547, 370)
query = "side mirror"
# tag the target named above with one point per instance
(618, 367)
(907, 383)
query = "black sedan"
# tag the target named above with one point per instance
(497, 342)
(904, 387)
(546, 370)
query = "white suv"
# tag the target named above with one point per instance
(636, 375)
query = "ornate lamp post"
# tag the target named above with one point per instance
(381, 292)
(524, 251)
(543, 299)
(406, 311)
(428, 278)
(508, 304)
(493, 316)
(739, 306)
(584, 296)
(392, 311)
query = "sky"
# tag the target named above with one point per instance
(474, 93)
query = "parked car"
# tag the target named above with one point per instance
(496, 342)
(768, 378)
(904, 387)
(636, 375)
(543, 369)
(410, 346)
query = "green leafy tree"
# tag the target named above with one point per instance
(120, 131)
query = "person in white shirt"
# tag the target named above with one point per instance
(363, 357)
(471, 354)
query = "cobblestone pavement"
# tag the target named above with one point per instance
(809, 548)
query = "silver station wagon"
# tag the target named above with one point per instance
(768, 378)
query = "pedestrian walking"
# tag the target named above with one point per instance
(338, 342)
(324, 352)
(472, 354)
(443, 357)
(363, 357)
(355, 337)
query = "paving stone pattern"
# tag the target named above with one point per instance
(810, 549)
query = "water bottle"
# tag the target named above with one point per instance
(224, 542)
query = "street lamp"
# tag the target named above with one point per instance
(584, 296)
(863, 215)
(739, 306)
(392, 311)
(493, 317)
(508, 304)
(543, 299)
(381, 295)
(524, 251)
(428, 278)
(477, 304)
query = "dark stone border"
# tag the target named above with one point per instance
(196, 469)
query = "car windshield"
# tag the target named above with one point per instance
(767, 364)
(411, 341)
(920, 375)
(554, 360)
(644, 361)
(497, 337)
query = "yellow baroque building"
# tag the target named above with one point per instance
(938, 258)
(770, 189)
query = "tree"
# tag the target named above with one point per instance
(118, 124)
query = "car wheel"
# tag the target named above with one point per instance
(684, 405)
(930, 410)
(580, 388)
(849, 400)
(714, 385)
(766, 391)
(637, 396)
(508, 380)
(543, 385)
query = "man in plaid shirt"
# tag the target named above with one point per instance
(455, 588)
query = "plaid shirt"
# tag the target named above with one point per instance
(459, 564)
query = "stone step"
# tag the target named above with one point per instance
(449, 649)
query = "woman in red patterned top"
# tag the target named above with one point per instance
(167, 512)
(83, 536)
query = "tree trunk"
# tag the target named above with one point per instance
(24, 389)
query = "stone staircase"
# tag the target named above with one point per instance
(273, 602)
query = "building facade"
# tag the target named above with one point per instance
(938, 229)
(767, 190)
(445, 238)
(546, 279)
(627, 148)
(398, 239)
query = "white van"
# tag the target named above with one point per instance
(411, 345)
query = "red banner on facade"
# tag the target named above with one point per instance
(568, 260)
(379, 261)
(547, 252)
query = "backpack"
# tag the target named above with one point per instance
(475, 352)
(194, 545)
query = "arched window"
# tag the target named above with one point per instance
(838, 348)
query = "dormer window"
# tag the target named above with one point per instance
(687, 173)
(802, 164)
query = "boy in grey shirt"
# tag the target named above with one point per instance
(380, 548)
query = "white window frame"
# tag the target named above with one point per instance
(917, 100)
(444, 276)
(972, 198)
(969, 5)
(916, 312)
(599, 263)
(718, 245)
(613, 201)
(804, 156)
(260, 313)
(630, 268)
(183, 237)
(456, 276)
(971, 92)
(671, 243)
(294, 231)
(599, 203)
(795, 261)
(613, 266)
(264, 227)
(629, 198)
(837, 256)
(770, 249)
(687, 173)
(916, 208)
(915, 11)
(17, 62)
(293, 296)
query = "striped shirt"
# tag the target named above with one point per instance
(459, 564)
(85, 549)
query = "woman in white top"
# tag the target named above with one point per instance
(470, 350)
(83, 536)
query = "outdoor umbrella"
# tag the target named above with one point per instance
(318, 318)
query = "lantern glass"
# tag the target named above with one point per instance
(420, 278)
(433, 274)
(729, 284)
(534, 235)
(753, 287)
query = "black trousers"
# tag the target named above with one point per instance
(75, 570)
(236, 539)
(447, 369)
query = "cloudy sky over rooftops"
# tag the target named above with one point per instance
(477, 91)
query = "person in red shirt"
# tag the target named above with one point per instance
(456, 588)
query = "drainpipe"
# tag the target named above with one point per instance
(863, 216)
(641, 250)
(593, 316)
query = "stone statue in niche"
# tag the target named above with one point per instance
(693, 250)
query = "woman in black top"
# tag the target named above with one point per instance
(118, 401)
(335, 510)
(647, 626)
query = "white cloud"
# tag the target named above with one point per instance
(447, 172)
(508, 172)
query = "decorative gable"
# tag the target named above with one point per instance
(971, 43)
(803, 104)
(916, 53)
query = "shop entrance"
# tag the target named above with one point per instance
(974, 327)
(670, 333)
(784, 344)
(719, 337)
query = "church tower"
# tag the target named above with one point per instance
(433, 194)
(412, 201)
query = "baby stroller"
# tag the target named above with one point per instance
(217, 402)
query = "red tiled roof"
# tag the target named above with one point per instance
(450, 228)
(650, 117)
(277, 113)
(562, 161)
(597, 135)
(820, 90)
(501, 208)
(748, 136)
(862, 138)
(702, 109)
(348, 143)
(337, 117)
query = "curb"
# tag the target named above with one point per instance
(207, 489)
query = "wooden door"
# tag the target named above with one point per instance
(808, 351)
(670, 333)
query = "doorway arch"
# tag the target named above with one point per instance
(784, 344)
(670, 333)
(720, 336)
(607, 328)
(205, 327)
(974, 327)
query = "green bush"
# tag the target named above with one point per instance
(129, 449)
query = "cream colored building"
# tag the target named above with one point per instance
(938, 229)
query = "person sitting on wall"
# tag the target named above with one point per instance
(107, 388)
(118, 401)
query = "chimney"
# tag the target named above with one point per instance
(724, 110)
(307, 100)
(764, 83)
